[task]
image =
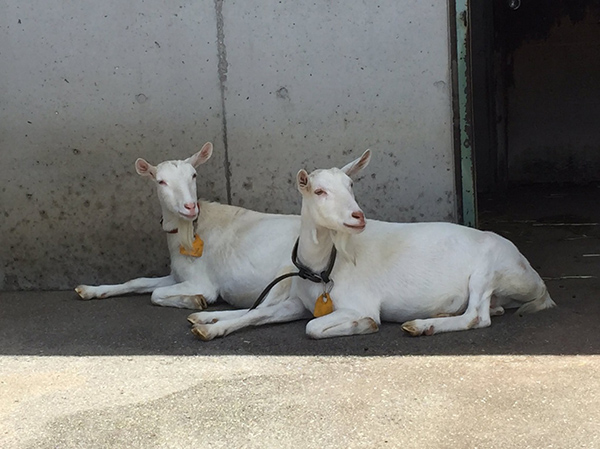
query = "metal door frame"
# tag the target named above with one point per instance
(463, 116)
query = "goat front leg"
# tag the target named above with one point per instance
(186, 295)
(214, 316)
(340, 323)
(289, 310)
(280, 293)
(139, 285)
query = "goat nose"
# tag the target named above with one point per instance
(190, 206)
(358, 215)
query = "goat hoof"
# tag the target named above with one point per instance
(202, 333)
(496, 311)
(199, 302)
(194, 318)
(373, 326)
(411, 329)
(201, 318)
(81, 291)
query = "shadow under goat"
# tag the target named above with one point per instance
(432, 277)
(215, 249)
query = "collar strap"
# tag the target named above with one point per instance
(172, 231)
(306, 273)
(303, 272)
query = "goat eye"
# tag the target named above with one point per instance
(319, 192)
(194, 176)
(162, 183)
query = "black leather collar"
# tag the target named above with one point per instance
(306, 273)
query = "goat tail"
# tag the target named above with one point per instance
(544, 301)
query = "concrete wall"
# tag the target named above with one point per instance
(88, 86)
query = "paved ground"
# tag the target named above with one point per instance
(123, 373)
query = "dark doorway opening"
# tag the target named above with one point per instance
(536, 136)
(536, 109)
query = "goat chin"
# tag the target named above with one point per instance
(186, 234)
(341, 241)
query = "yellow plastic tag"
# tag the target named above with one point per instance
(323, 306)
(198, 248)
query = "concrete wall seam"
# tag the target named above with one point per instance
(222, 68)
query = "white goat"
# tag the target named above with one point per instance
(433, 277)
(243, 251)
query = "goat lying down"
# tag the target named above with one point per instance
(236, 254)
(433, 277)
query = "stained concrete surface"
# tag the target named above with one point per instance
(123, 373)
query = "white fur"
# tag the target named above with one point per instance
(433, 277)
(243, 250)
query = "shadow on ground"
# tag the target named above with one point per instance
(56, 323)
(548, 227)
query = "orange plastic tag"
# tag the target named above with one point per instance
(323, 306)
(196, 251)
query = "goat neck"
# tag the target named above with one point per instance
(185, 228)
(314, 244)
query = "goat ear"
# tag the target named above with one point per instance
(356, 166)
(143, 168)
(302, 180)
(201, 156)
